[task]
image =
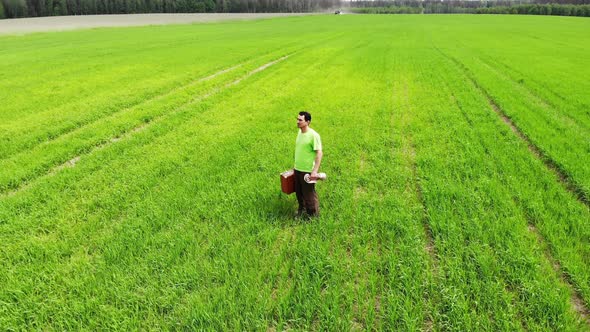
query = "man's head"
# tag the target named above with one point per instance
(304, 119)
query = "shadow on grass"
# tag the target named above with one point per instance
(280, 211)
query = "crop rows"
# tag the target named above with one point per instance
(532, 95)
(153, 202)
(36, 161)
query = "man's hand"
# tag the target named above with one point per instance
(318, 160)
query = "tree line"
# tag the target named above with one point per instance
(36, 8)
(536, 7)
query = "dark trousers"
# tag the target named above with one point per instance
(306, 195)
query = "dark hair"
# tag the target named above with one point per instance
(306, 115)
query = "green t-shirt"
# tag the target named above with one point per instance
(306, 146)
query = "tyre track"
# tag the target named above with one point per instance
(579, 124)
(559, 173)
(14, 187)
(82, 124)
(576, 299)
(73, 161)
(409, 151)
(563, 178)
(493, 65)
(288, 48)
(507, 288)
(532, 90)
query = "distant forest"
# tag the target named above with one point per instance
(535, 7)
(35, 8)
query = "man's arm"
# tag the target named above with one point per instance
(318, 160)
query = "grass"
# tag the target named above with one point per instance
(135, 194)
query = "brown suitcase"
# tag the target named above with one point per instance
(288, 182)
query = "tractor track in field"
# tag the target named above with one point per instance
(429, 245)
(529, 92)
(24, 182)
(498, 64)
(409, 151)
(550, 164)
(83, 124)
(494, 66)
(507, 288)
(73, 161)
(561, 175)
(576, 299)
(80, 125)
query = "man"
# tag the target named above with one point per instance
(308, 156)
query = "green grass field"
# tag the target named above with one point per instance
(139, 183)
